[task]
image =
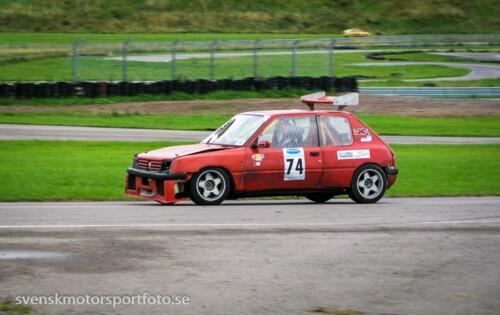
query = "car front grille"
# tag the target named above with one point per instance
(152, 165)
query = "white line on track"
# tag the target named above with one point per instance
(226, 225)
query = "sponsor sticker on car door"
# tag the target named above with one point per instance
(353, 154)
(295, 164)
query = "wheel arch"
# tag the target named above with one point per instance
(369, 163)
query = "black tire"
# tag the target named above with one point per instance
(210, 186)
(368, 184)
(321, 197)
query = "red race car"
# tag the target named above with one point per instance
(312, 153)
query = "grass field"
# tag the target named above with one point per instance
(34, 66)
(440, 170)
(99, 68)
(424, 56)
(41, 38)
(11, 307)
(66, 170)
(382, 124)
(434, 126)
(181, 122)
(231, 16)
(19, 38)
(216, 95)
(59, 170)
(397, 83)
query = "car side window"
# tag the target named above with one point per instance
(334, 131)
(291, 132)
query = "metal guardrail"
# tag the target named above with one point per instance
(434, 91)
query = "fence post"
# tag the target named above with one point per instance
(294, 57)
(172, 61)
(213, 47)
(124, 60)
(331, 46)
(74, 60)
(255, 50)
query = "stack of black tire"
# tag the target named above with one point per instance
(104, 89)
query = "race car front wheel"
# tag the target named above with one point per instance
(209, 186)
(368, 184)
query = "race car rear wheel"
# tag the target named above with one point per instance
(210, 186)
(319, 197)
(368, 184)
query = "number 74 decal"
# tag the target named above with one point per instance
(294, 164)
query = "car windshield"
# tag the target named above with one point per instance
(236, 131)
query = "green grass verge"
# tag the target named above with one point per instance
(482, 126)
(65, 170)
(79, 170)
(429, 57)
(99, 68)
(442, 170)
(285, 16)
(14, 38)
(181, 122)
(41, 38)
(423, 56)
(9, 307)
(400, 83)
(176, 96)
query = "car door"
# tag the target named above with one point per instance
(340, 154)
(293, 159)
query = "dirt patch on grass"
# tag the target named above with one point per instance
(369, 104)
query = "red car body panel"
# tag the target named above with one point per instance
(178, 151)
(324, 169)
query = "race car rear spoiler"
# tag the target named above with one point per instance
(349, 99)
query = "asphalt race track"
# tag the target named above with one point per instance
(400, 256)
(41, 132)
(44, 132)
(495, 57)
(478, 71)
(168, 57)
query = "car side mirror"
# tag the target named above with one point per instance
(263, 144)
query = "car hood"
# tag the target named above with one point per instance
(181, 150)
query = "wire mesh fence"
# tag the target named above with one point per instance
(194, 60)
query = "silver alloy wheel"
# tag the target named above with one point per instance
(370, 183)
(211, 185)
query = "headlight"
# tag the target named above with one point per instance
(165, 167)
